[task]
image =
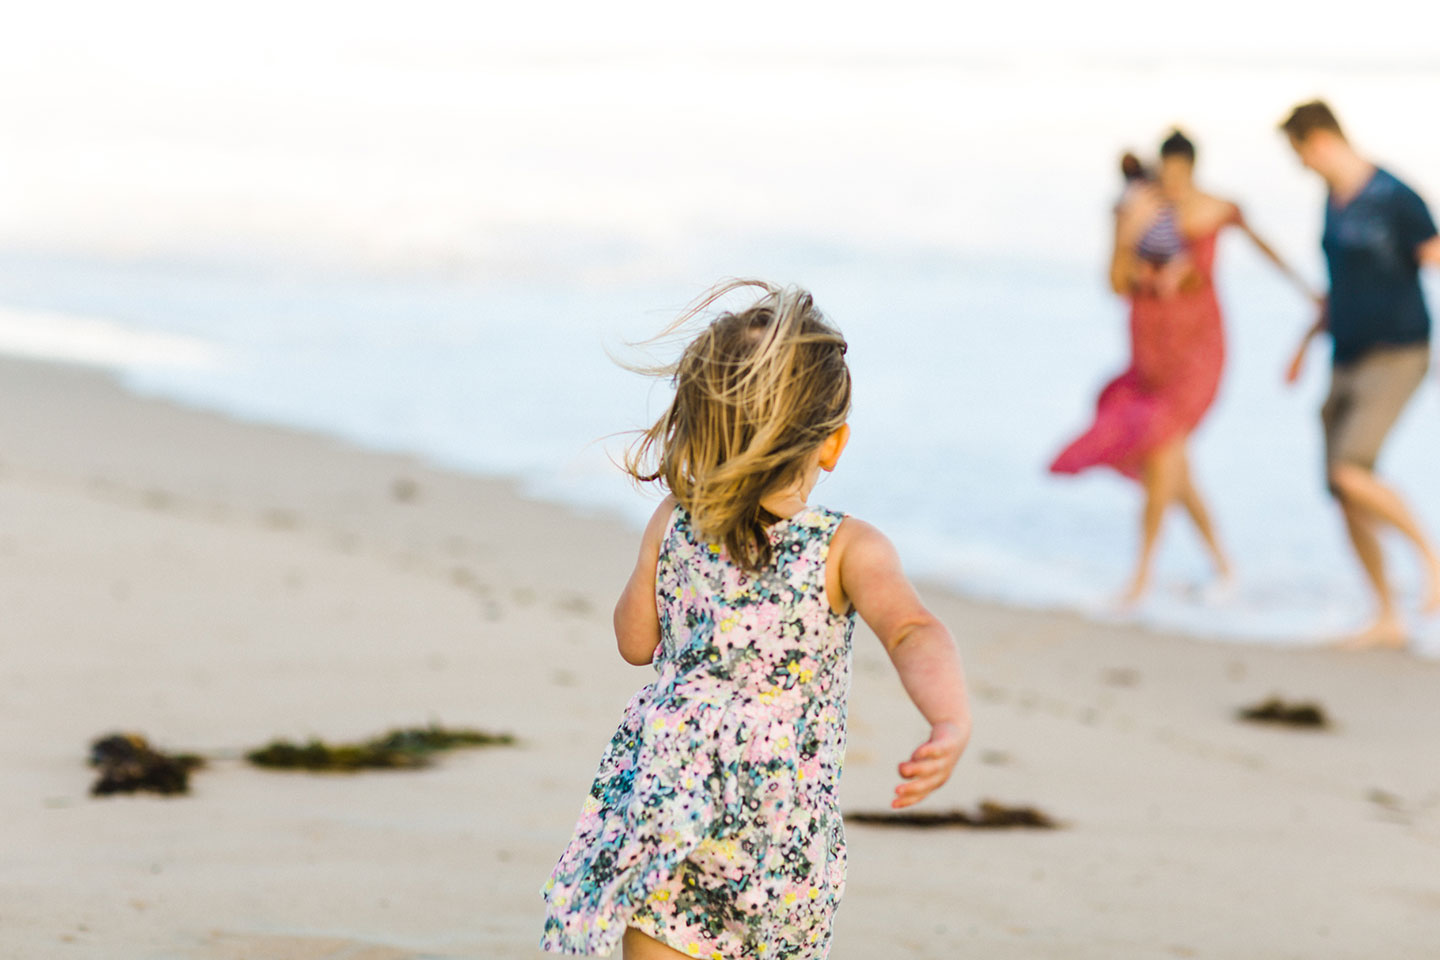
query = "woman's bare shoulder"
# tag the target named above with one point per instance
(1207, 213)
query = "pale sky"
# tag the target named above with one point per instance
(151, 33)
(434, 130)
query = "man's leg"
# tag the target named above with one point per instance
(1362, 491)
(1388, 630)
(1365, 401)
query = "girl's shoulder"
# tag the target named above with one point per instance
(661, 521)
(857, 550)
(851, 531)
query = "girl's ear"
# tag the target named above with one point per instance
(833, 446)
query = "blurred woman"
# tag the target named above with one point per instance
(1144, 417)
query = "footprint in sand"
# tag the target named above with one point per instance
(574, 603)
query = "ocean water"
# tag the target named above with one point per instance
(441, 255)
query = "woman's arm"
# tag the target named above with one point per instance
(920, 647)
(637, 622)
(1290, 272)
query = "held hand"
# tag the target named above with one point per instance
(1297, 363)
(1322, 322)
(929, 766)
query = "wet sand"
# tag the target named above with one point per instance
(214, 584)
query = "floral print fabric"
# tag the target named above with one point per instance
(713, 823)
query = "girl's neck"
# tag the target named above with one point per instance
(790, 500)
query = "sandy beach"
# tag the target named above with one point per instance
(213, 585)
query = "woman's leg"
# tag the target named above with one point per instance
(1160, 475)
(637, 946)
(1195, 506)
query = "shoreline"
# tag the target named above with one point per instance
(214, 583)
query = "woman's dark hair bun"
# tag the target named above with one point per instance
(1178, 145)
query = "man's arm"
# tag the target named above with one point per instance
(1297, 360)
(1428, 253)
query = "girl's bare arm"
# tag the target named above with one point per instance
(1132, 219)
(919, 645)
(637, 622)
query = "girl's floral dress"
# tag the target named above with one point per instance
(712, 825)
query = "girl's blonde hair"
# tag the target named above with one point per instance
(756, 392)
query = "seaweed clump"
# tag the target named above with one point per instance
(989, 816)
(1277, 711)
(404, 749)
(128, 764)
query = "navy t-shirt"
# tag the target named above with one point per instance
(1370, 244)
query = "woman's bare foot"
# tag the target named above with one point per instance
(1431, 603)
(1386, 633)
(1133, 594)
(1224, 571)
(1222, 589)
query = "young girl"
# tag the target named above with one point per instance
(1162, 265)
(712, 829)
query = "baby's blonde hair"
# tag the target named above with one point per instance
(756, 393)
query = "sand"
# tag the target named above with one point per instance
(213, 584)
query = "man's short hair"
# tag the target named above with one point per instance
(1309, 117)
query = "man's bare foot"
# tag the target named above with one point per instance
(1386, 633)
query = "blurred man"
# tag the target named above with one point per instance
(1378, 232)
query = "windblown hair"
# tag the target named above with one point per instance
(756, 392)
(1306, 118)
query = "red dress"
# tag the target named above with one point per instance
(1177, 349)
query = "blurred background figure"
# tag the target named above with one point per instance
(1378, 232)
(1144, 417)
(324, 216)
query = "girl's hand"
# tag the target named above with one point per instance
(929, 766)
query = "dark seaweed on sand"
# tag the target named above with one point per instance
(990, 816)
(1275, 710)
(128, 764)
(406, 749)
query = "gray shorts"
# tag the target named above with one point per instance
(1366, 398)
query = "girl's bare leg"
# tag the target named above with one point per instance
(1160, 475)
(637, 946)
